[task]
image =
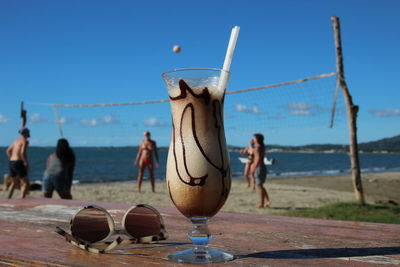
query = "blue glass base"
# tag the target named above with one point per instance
(201, 257)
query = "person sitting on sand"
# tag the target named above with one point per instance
(18, 163)
(145, 159)
(250, 157)
(59, 171)
(259, 170)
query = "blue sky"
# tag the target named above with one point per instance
(74, 52)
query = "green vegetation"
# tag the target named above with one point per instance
(351, 212)
(387, 144)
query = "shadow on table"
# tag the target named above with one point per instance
(324, 253)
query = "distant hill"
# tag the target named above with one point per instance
(391, 145)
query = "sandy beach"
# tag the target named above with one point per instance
(285, 193)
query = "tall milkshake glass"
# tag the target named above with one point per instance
(198, 171)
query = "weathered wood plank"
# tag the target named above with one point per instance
(27, 239)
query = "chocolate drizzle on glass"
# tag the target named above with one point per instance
(218, 124)
(184, 88)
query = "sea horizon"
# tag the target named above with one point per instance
(115, 164)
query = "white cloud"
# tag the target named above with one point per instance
(240, 107)
(3, 119)
(109, 119)
(154, 122)
(34, 142)
(301, 108)
(65, 120)
(383, 113)
(89, 122)
(103, 120)
(62, 120)
(243, 108)
(37, 118)
(255, 110)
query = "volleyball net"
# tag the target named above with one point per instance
(277, 110)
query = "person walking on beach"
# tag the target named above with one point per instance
(18, 163)
(259, 170)
(145, 159)
(250, 158)
(59, 171)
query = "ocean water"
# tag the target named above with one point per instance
(99, 164)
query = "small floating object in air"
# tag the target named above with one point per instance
(176, 49)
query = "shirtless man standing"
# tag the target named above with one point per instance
(18, 163)
(145, 159)
(259, 170)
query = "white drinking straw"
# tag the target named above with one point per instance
(228, 58)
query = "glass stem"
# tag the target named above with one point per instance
(200, 236)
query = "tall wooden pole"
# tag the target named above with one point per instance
(58, 122)
(23, 115)
(352, 111)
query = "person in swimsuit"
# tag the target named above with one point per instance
(145, 159)
(59, 171)
(18, 163)
(250, 157)
(259, 170)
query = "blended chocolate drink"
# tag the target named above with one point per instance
(198, 172)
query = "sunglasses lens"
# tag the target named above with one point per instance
(90, 225)
(142, 221)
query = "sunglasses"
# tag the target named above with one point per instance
(92, 226)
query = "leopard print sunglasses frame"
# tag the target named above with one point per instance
(94, 240)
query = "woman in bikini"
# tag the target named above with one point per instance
(250, 157)
(145, 159)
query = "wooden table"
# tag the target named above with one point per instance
(27, 238)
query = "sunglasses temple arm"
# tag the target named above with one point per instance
(110, 246)
(67, 236)
(119, 241)
(86, 246)
(79, 243)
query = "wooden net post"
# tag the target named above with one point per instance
(23, 115)
(352, 111)
(58, 122)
